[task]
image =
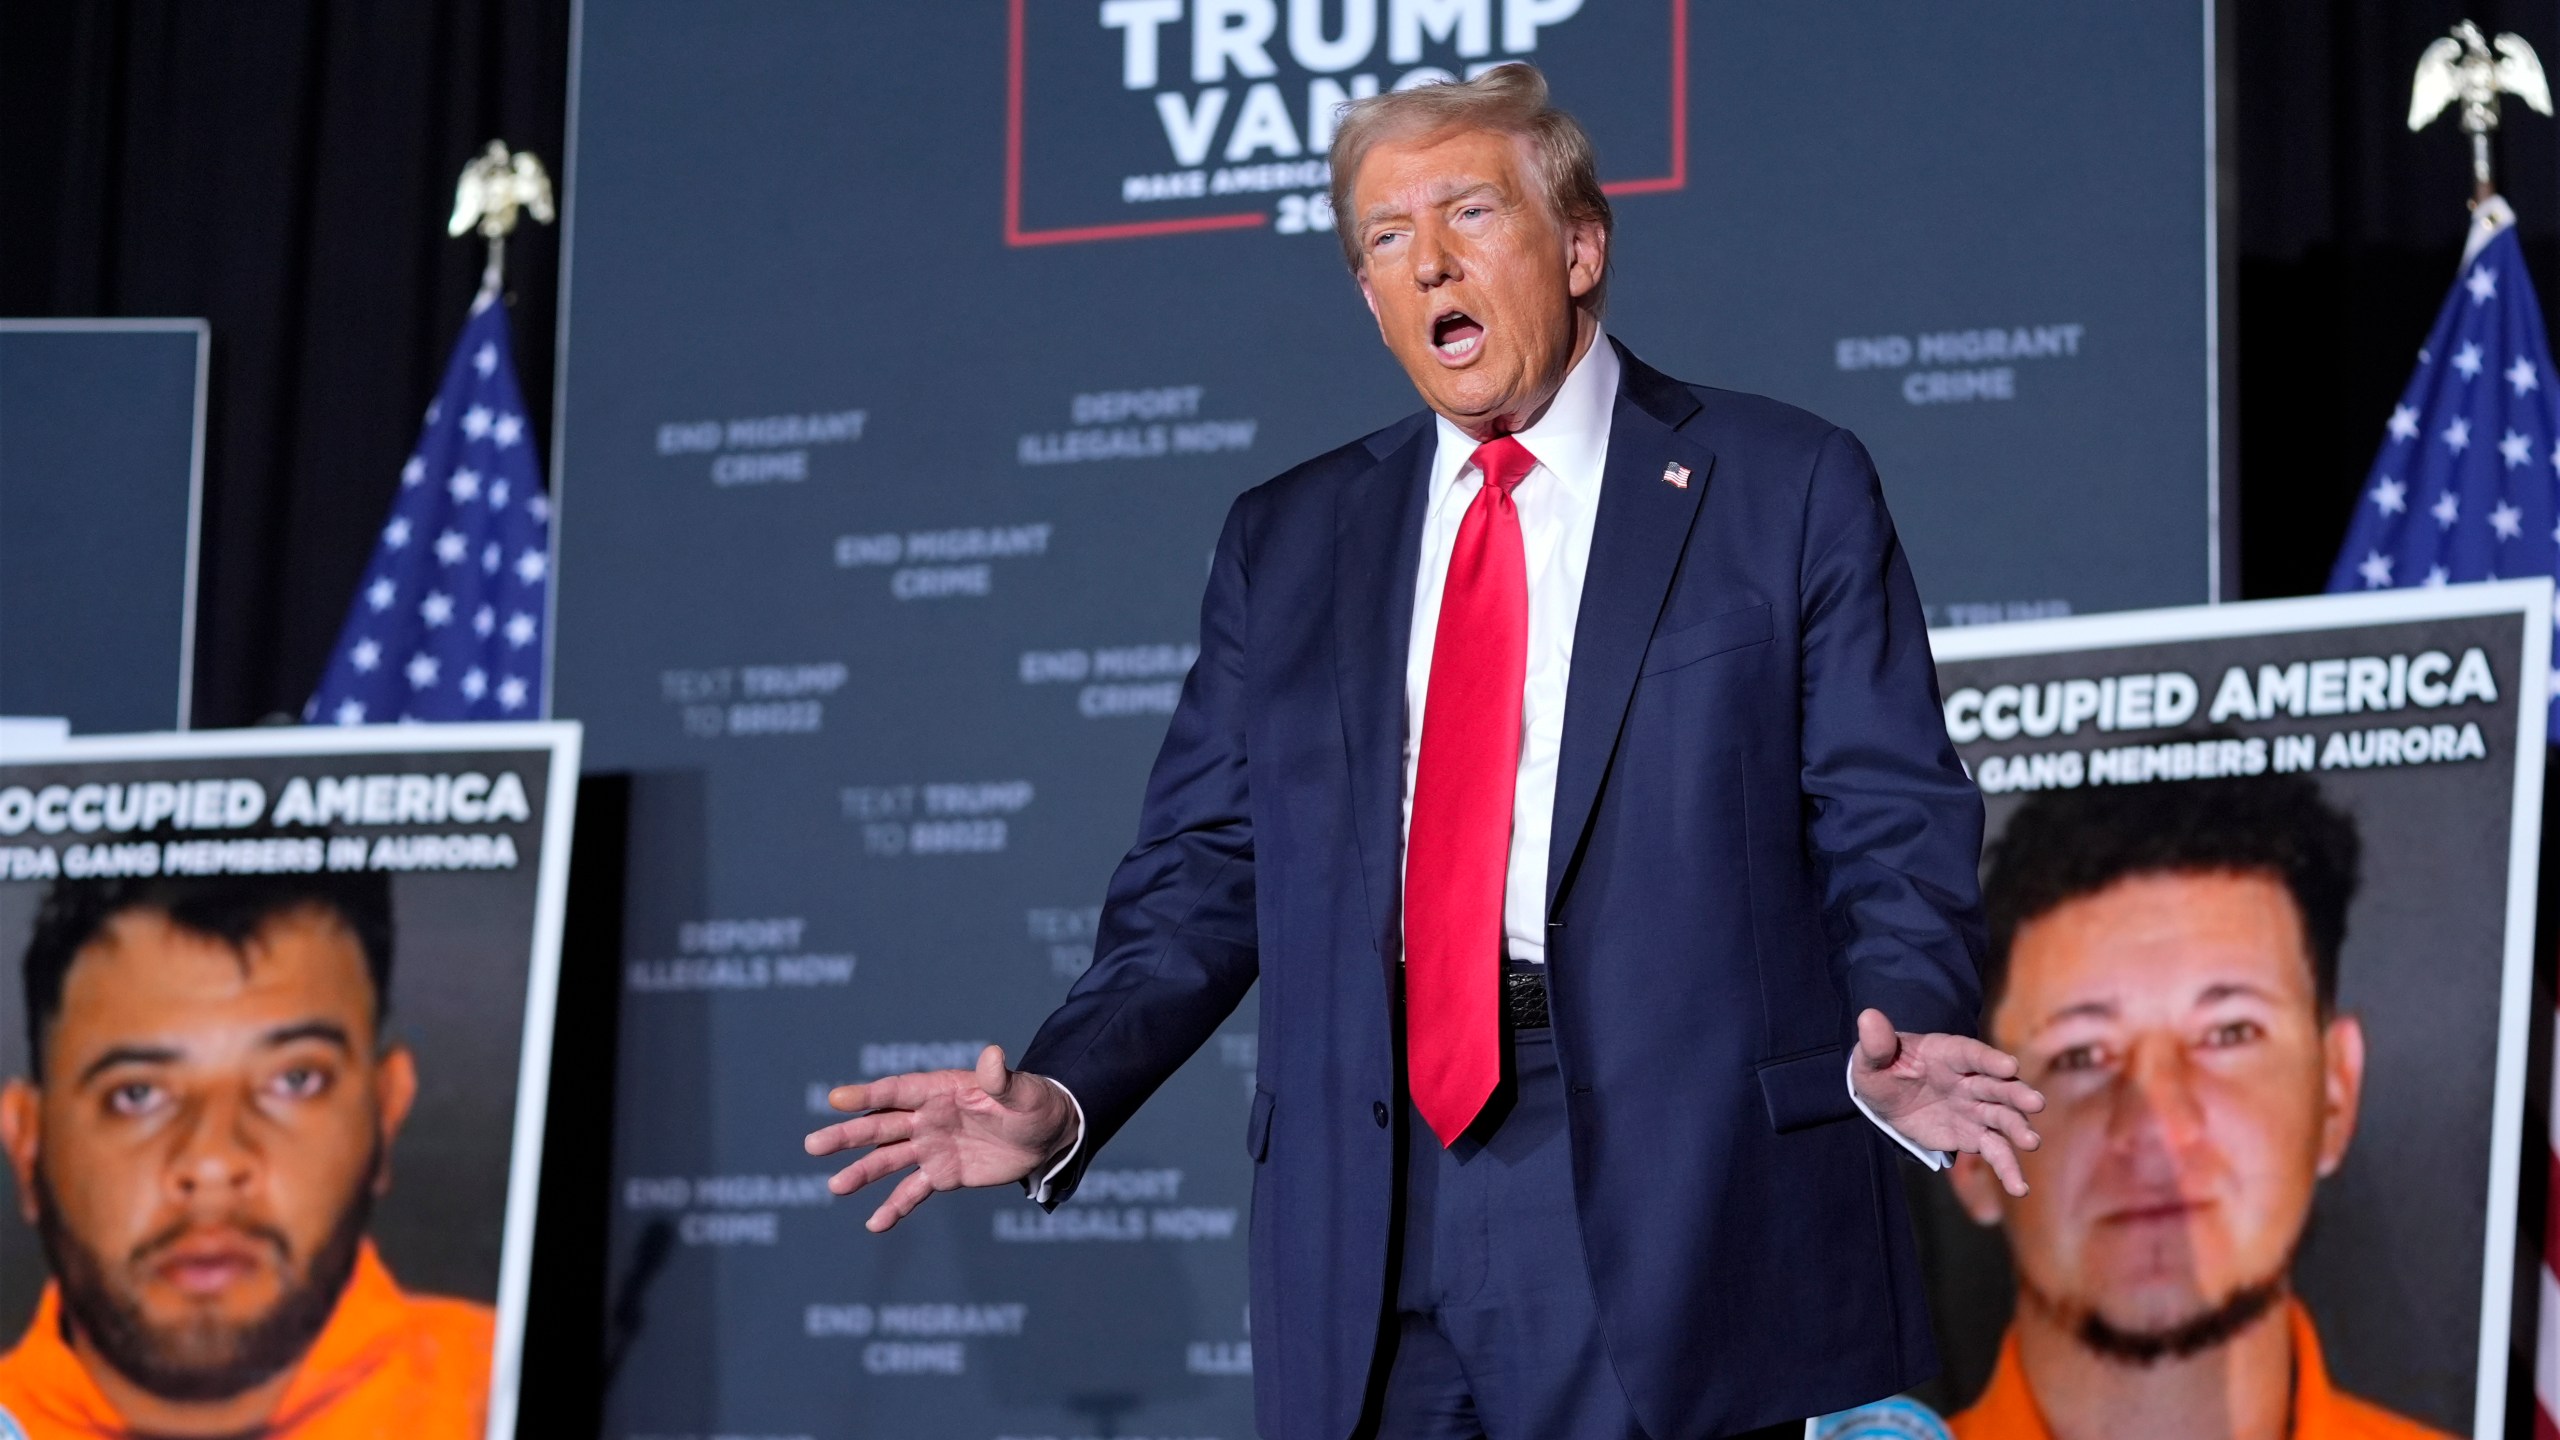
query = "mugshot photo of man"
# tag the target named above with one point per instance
(2164, 962)
(205, 1126)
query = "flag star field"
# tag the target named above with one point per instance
(2437, 507)
(447, 622)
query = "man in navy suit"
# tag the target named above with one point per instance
(1566, 764)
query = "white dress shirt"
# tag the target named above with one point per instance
(1559, 505)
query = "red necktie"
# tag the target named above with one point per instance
(1460, 845)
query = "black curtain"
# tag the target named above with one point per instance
(282, 168)
(2349, 231)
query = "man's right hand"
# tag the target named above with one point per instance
(988, 1126)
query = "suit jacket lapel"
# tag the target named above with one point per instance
(1636, 543)
(1377, 548)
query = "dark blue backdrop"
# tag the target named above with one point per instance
(905, 381)
(101, 456)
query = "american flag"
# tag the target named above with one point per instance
(447, 624)
(2467, 484)
(2467, 487)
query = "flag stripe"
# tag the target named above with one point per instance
(2546, 1362)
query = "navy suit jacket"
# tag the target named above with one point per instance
(1760, 829)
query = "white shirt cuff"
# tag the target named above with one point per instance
(1934, 1159)
(1038, 1189)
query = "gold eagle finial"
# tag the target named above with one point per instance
(2466, 66)
(495, 187)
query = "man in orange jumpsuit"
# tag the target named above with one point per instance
(2164, 964)
(207, 1124)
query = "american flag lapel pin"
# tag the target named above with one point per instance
(1676, 475)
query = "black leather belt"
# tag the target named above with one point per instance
(1524, 994)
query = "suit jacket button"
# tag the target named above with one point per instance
(1378, 1112)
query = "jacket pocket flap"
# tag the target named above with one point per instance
(1712, 636)
(1257, 1128)
(1811, 1089)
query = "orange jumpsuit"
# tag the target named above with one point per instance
(388, 1364)
(2007, 1411)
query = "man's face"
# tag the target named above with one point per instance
(1472, 278)
(2195, 1098)
(207, 1138)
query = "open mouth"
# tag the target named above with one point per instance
(1456, 335)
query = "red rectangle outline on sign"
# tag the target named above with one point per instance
(1015, 235)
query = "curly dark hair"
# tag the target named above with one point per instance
(228, 908)
(2065, 844)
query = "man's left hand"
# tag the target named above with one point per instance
(1947, 1092)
